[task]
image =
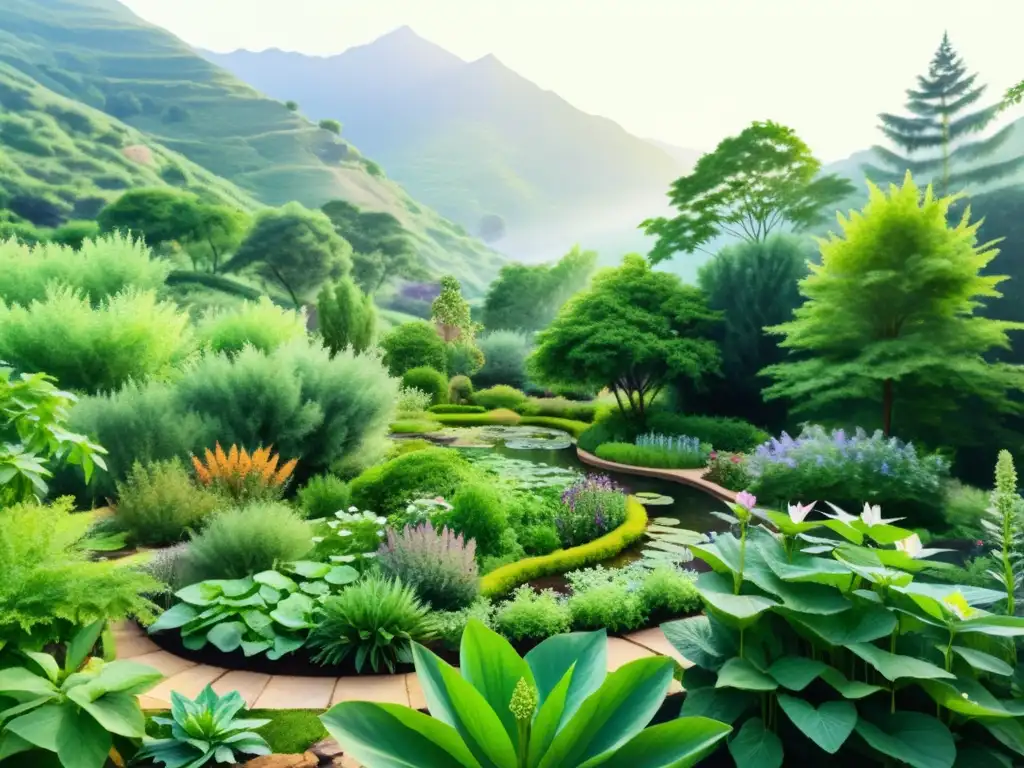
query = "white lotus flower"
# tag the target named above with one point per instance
(911, 545)
(872, 516)
(798, 512)
(844, 517)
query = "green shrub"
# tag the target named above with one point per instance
(500, 581)
(412, 400)
(414, 345)
(463, 358)
(159, 503)
(666, 591)
(49, 589)
(964, 509)
(376, 620)
(243, 541)
(414, 426)
(130, 336)
(611, 606)
(500, 396)
(539, 539)
(451, 624)
(453, 408)
(591, 507)
(531, 615)
(323, 495)
(402, 447)
(498, 416)
(505, 354)
(99, 270)
(479, 514)
(460, 390)
(427, 380)
(574, 428)
(439, 565)
(560, 408)
(651, 456)
(262, 324)
(723, 434)
(728, 470)
(387, 488)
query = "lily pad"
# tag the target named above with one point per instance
(649, 499)
(669, 521)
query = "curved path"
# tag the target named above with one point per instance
(691, 477)
(262, 691)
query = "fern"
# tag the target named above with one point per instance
(1005, 528)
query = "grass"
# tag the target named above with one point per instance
(289, 732)
(100, 54)
(414, 426)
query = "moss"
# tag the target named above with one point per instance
(289, 732)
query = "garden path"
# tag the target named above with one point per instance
(692, 477)
(262, 691)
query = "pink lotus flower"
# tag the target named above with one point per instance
(798, 512)
(746, 500)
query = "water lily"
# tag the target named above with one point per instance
(746, 500)
(911, 545)
(957, 605)
(798, 512)
(872, 516)
(842, 516)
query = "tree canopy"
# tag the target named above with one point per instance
(750, 186)
(346, 317)
(450, 312)
(889, 323)
(633, 331)
(382, 247)
(295, 248)
(414, 345)
(934, 139)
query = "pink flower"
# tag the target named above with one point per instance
(734, 459)
(713, 455)
(746, 500)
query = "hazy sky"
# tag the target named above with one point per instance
(685, 71)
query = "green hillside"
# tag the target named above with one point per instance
(99, 53)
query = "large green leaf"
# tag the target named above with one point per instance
(339, 575)
(81, 741)
(828, 726)
(994, 625)
(492, 666)
(740, 673)
(1009, 733)
(174, 617)
(275, 580)
(982, 661)
(913, 738)
(227, 637)
(309, 569)
(679, 743)
(294, 612)
(81, 645)
(118, 713)
(704, 642)
(548, 719)
(586, 653)
(21, 684)
(116, 677)
(860, 624)
(806, 568)
(617, 712)
(804, 597)
(738, 610)
(850, 689)
(393, 736)
(452, 700)
(723, 554)
(795, 672)
(723, 704)
(755, 746)
(966, 697)
(973, 756)
(893, 666)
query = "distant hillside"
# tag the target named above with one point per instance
(685, 157)
(476, 139)
(98, 52)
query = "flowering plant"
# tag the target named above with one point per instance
(242, 475)
(352, 536)
(591, 507)
(728, 470)
(439, 564)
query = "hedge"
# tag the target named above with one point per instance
(498, 416)
(452, 408)
(573, 427)
(504, 579)
(414, 426)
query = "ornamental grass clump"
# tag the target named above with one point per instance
(591, 507)
(440, 565)
(244, 476)
(851, 469)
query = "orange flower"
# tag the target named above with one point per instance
(237, 469)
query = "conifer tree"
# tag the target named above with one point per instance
(934, 143)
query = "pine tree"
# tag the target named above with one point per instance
(934, 143)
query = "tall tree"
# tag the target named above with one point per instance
(346, 317)
(294, 247)
(888, 325)
(934, 143)
(751, 185)
(633, 331)
(450, 312)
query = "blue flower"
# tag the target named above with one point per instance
(885, 468)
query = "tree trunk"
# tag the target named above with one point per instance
(887, 399)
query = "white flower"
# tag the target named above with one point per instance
(353, 509)
(911, 545)
(369, 554)
(344, 532)
(872, 516)
(798, 512)
(840, 515)
(317, 539)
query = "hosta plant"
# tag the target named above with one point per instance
(204, 731)
(81, 711)
(555, 708)
(820, 638)
(269, 613)
(243, 475)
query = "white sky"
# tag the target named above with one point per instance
(685, 71)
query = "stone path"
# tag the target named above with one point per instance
(692, 477)
(262, 691)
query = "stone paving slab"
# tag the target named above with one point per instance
(163, 662)
(188, 683)
(386, 689)
(291, 692)
(249, 684)
(654, 640)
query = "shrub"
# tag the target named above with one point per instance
(414, 426)
(452, 408)
(376, 619)
(611, 606)
(850, 470)
(160, 504)
(243, 541)
(591, 507)
(500, 396)
(728, 470)
(323, 495)
(479, 514)
(412, 400)
(439, 565)
(414, 345)
(667, 591)
(262, 324)
(539, 539)
(658, 451)
(963, 511)
(390, 486)
(350, 537)
(427, 380)
(130, 336)
(464, 358)
(505, 354)
(574, 428)
(49, 588)
(99, 270)
(501, 580)
(168, 565)
(451, 624)
(531, 615)
(559, 407)
(243, 476)
(460, 390)
(402, 447)
(723, 434)
(500, 416)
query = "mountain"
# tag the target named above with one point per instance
(475, 139)
(100, 54)
(686, 158)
